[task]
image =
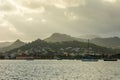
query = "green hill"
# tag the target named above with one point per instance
(58, 37)
(41, 47)
(14, 45)
(113, 42)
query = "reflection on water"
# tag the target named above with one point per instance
(59, 70)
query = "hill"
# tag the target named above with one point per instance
(112, 42)
(58, 37)
(42, 47)
(5, 44)
(14, 45)
(88, 36)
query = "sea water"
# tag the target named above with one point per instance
(58, 70)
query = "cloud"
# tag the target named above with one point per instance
(71, 15)
(110, 1)
(8, 31)
(43, 20)
(57, 3)
(30, 19)
(5, 5)
(67, 3)
(8, 26)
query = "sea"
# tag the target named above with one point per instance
(58, 70)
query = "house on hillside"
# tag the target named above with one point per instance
(21, 57)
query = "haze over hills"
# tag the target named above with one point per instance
(112, 42)
(58, 37)
(89, 36)
(42, 47)
(5, 44)
(16, 44)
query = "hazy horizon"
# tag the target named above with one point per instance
(28, 20)
(81, 37)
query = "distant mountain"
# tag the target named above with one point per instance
(5, 44)
(42, 47)
(58, 37)
(89, 36)
(32, 46)
(113, 42)
(14, 45)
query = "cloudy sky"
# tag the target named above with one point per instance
(31, 19)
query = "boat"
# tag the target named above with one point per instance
(88, 56)
(110, 59)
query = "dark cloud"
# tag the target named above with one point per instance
(101, 18)
(40, 18)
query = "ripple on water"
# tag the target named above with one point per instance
(59, 70)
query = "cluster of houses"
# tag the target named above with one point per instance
(46, 53)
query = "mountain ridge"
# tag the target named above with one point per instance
(110, 42)
(43, 47)
(59, 37)
(113, 42)
(16, 44)
(5, 44)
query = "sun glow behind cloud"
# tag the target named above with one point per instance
(10, 27)
(40, 18)
(110, 1)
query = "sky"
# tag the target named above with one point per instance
(31, 19)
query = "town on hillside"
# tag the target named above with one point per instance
(40, 49)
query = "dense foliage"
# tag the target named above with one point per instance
(67, 46)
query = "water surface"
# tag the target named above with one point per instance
(58, 70)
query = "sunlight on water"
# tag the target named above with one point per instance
(59, 70)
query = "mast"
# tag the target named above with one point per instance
(88, 46)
